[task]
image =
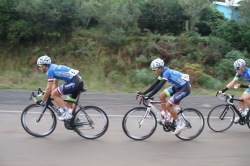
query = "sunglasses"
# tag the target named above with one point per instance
(154, 69)
(237, 68)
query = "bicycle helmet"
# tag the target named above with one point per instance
(44, 60)
(238, 63)
(157, 63)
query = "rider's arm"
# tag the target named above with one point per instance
(152, 86)
(244, 86)
(229, 85)
(157, 88)
(48, 91)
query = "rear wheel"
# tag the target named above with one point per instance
(248, 120)
(194, 124)
(220, 118)
(37, 123)
(91, 122)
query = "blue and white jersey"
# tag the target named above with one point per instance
(175, 77)
(60, 72)
(245, 74)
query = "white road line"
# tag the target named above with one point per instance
(6, 111)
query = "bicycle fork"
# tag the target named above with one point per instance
(144, 116)
(40, 116)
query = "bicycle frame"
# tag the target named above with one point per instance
(229, 100)
(50, 104)
(150, 107)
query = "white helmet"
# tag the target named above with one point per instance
(157, 63)
(44, 60)
(238, 63)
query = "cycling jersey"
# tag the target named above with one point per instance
(175, 77)
(60, 72)
(245, 74)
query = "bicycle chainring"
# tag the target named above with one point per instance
(67, 124)
(168, 126)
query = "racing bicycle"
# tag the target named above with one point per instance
(140, 123)
(222, 116)
(89, 122)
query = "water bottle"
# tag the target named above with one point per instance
(158, 115)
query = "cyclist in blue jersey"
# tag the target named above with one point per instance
(180, 90)
(241, 72)
(73, 84)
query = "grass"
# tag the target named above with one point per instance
(94, 80)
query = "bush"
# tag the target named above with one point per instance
(208, 82)
(224, 69)
(116, 38)
(141, 77)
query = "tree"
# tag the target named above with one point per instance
(209, 19)
(244, 11)
(162, 16)
(7, 14)
(193, 8)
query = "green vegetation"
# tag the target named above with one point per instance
(112, 42)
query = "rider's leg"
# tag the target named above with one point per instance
(163, 97)
(241, 103)
(170, 109)
(57, 97)
(246, 98)
(165, 105)
(70, 105)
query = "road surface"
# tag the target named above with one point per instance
(64, 147)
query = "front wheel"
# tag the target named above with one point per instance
(138, 124)
(248, 119)
(37, 122)
(220, 118)
(194, 124)
(91, 122)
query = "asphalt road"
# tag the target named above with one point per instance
(114, 148)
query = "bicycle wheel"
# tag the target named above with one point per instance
(220, 118)
(194, 124)
(133, 129)
(248, 120)
(44, 127)
(91, 122)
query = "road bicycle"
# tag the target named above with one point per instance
(140, 123)
(222, 116)
(89, 122)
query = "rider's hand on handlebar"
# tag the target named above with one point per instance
(40, 102)
(218, 93)
(143, 97)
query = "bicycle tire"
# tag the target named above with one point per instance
(221, 118)
(194, 124)
(44, 127)
(93, 123)
(248, 120)
(130, 124)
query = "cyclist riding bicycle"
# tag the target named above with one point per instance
(73, 85)
(180, 90)
(241, 72)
